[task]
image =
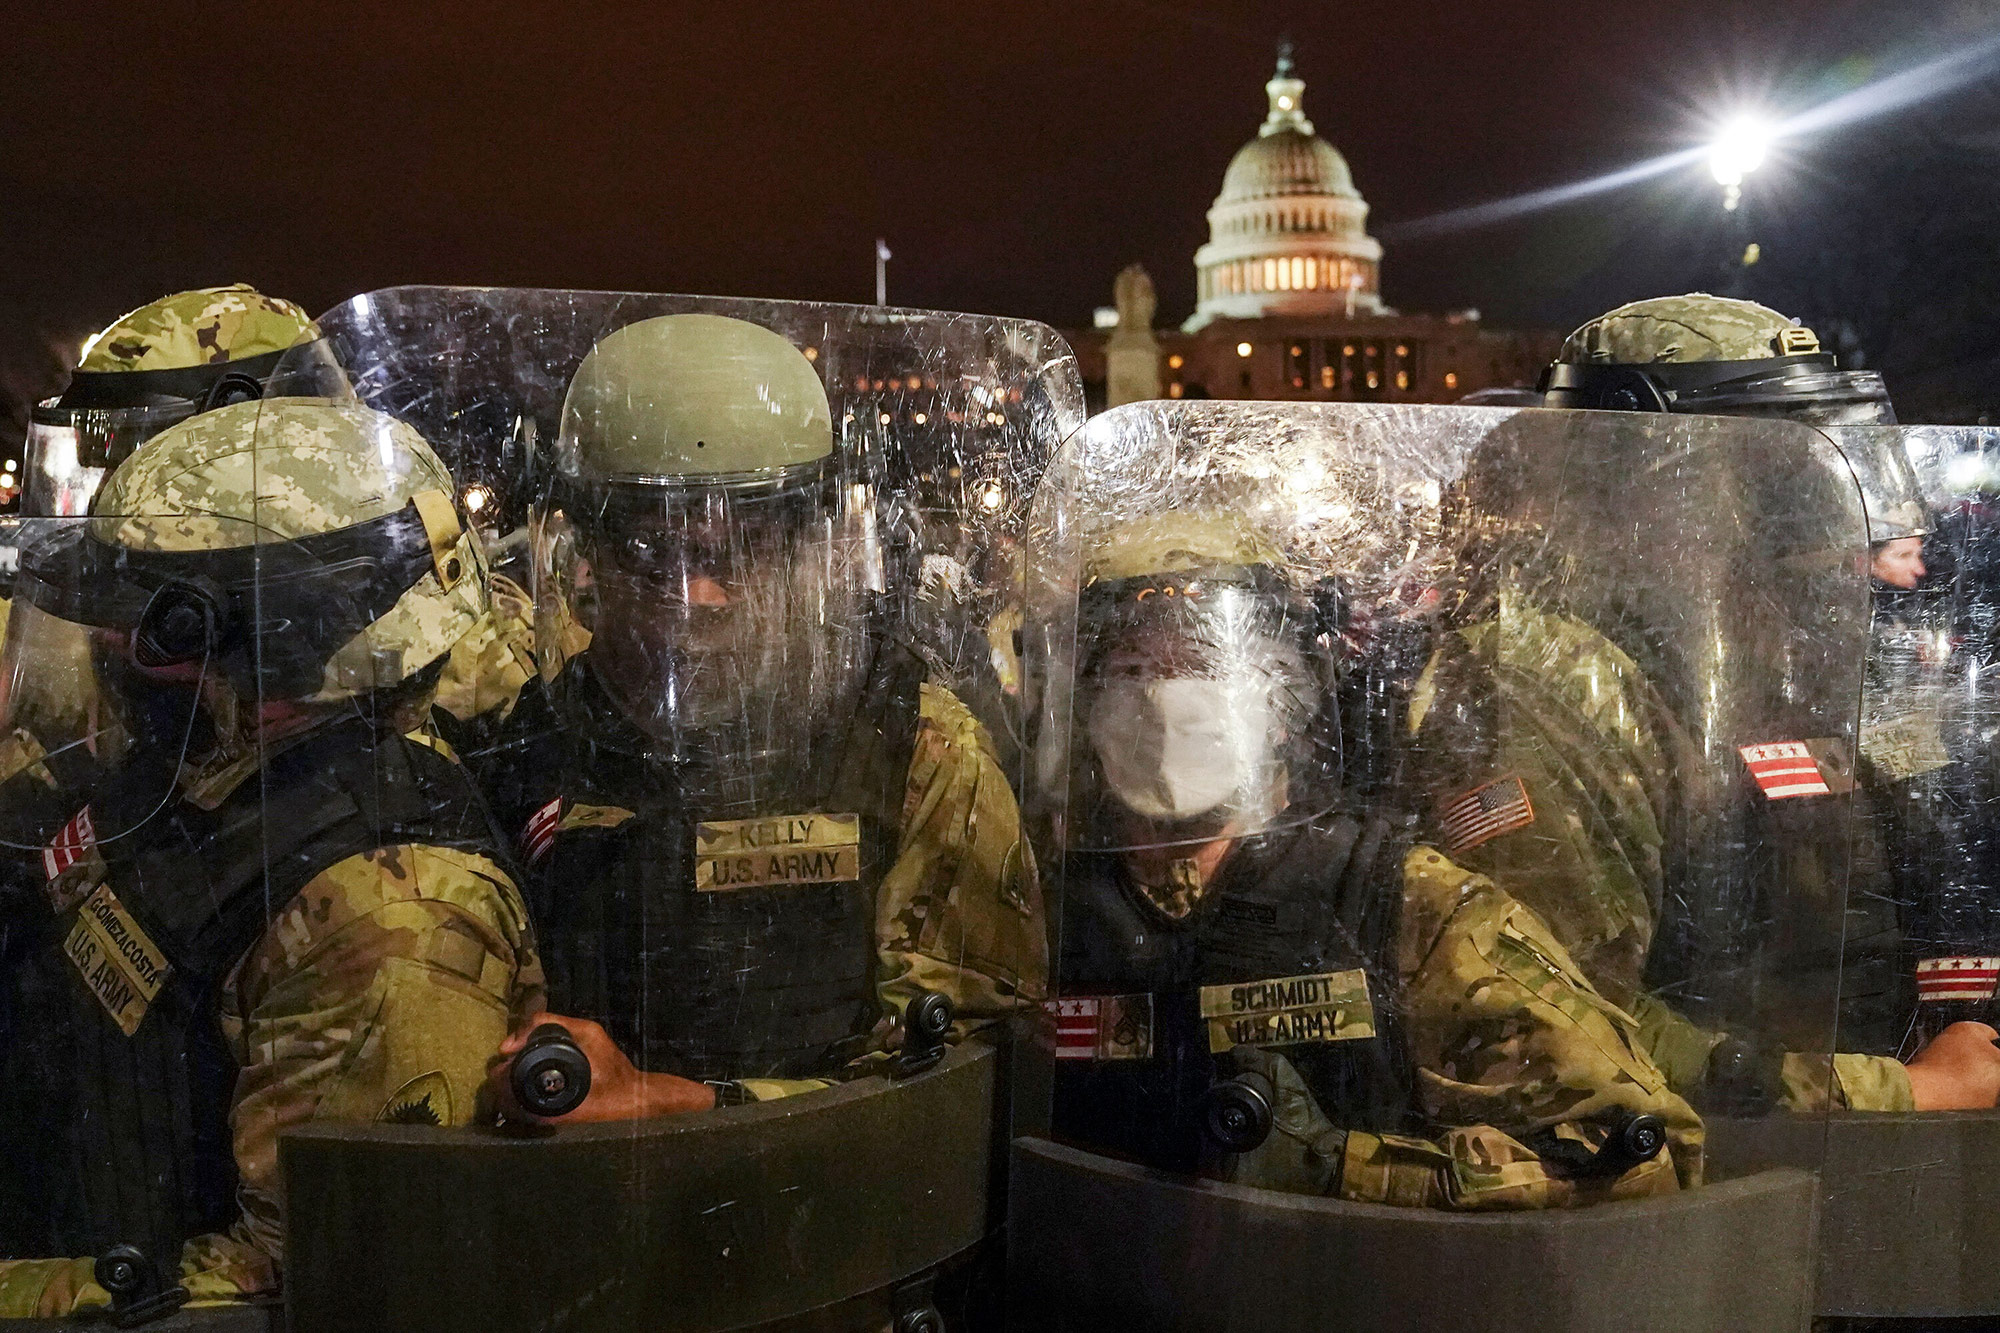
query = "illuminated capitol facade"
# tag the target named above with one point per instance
(1288, 293)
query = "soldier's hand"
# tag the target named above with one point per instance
(1958, 1071)
(619, 1090)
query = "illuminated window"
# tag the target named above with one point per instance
(1451, 379)
(1298, 274)
(1270, 275)
(1312, 275)
(1242, 349)
(1175, 362)
(1284, 276)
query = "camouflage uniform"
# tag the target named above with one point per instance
(1587, 738)
(382, 985)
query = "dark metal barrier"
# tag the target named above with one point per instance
(1910, 1216)
(733, 1219)
(1095, 1244)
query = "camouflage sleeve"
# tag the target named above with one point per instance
(488, 667)
(379, 993)
(960, 911)
(1506, 1032)
(1808, 1082)
(1472, 1168)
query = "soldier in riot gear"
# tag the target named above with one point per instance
(1218, 853)
(756, 832)
(1712, 355)
(166, 361)
(1253, 931)
(1913, 912)
(274, 897)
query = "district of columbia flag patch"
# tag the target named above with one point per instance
(1785, 768)
(1103, 1027)
(69, 846)
(1473, 817)
(540, 834)
(1957, 978)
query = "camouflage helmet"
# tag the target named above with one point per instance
(204, 327)
(694, 399)
(1699, 353)
(158, 365)
(1178, 543)
(329, 519)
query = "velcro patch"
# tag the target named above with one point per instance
(117, 960)
(72, 863)
(1284, 1011)
(1103, 1027)
(540, 833)
(789, 849)
(1957, 978)
(1785, 769)
(1484, 813)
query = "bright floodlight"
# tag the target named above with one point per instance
(1739, 149)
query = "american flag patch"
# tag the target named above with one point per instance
(1785, 768)
(1103, 1027)
(1957, 978)
(540, 834)
(1501, 806)
(69, 846)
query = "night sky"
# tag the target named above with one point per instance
(1015, 155)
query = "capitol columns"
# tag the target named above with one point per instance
(1132, 353)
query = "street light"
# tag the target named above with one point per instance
(1737, 151)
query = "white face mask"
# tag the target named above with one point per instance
(1175, 749)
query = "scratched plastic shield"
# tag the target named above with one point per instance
(1425, 789)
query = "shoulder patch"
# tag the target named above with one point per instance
(1470, 818)
(424, 1100)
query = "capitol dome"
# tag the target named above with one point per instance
(1292, 160)
(1288, 234)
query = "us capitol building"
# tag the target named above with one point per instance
(1289, 297)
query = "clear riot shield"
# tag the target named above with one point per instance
(212, 823)
(1905, 1228)
(758, 788)
(1446, 810)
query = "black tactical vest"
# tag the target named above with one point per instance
(109, 1137)
(724, 947)
(1321, 898)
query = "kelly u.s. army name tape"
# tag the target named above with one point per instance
(790, 849)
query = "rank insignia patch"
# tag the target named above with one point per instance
(1484, 813)
(1103, 1027)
